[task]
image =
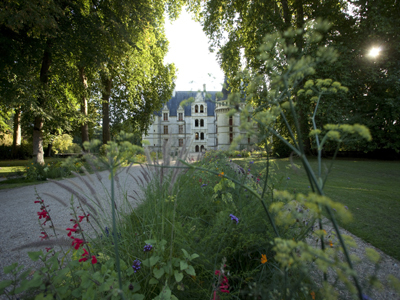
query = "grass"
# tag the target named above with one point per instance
(369, 188)
(14, 171)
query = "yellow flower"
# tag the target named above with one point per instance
(264, 258)
(330, 243)
(27, 167)
(221, 174)
(312, 295)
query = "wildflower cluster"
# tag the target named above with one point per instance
(77, 242)
(136, 265)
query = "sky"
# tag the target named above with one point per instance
(188, 50)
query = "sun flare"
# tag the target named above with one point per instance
(374, 52)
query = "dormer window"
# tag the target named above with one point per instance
(201, 109)
(165, 116)
(180, 116)
(196, 109)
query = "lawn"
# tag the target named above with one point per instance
(16, 168)
(369, 188)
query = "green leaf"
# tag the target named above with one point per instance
(151, 261)
(10, 268)
(158, 272)
(137, 297)
(165, 294)
(190, 270)
(183, 264)
(178, 276)
(153, 281)
(4, 284)
(35, 255)
(185, 253)
(151, 242)
(193, 256)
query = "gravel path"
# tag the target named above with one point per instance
(19, 212)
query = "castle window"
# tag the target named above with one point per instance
(248, 141)
(180, 129)
(201, 108)
(196, 136)
(165, 116)
(230, 121)
(166, 129)
(180, 142)
(230, 138)
(202, 148)
(231, 129)
(201, 123)
(196, 123)
(180, 116)
(202, 135)
(196, 109)
(197, 148)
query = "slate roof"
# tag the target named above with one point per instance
(174, 102)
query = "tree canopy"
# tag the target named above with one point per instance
(236, 30)
(55, 57)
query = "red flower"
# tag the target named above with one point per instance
(224, 286)
(73, 230)
(48, 249)
(84, 255)
(77, 242)
(94, 260)
(45, 236)
(43, 214)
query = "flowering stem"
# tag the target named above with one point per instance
(115, 229)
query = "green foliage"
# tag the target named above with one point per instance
(62, 143)
(60, 169)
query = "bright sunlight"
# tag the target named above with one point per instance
(374, 52)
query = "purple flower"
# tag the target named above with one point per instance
(203, 185)
(288, 178)
(346, 207)
(239, 155)
(248, 170)
(252, 162)
(147, 248)
(365, 297)
(136, 265)
(233, 218)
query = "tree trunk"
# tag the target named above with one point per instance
(84, 106)
(287, 16)
(106, 108)
(49, 149)
(38, 154)
(304, 105)
(17, 132)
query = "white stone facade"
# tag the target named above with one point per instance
(204, 124)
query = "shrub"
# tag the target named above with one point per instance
(62, 143)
